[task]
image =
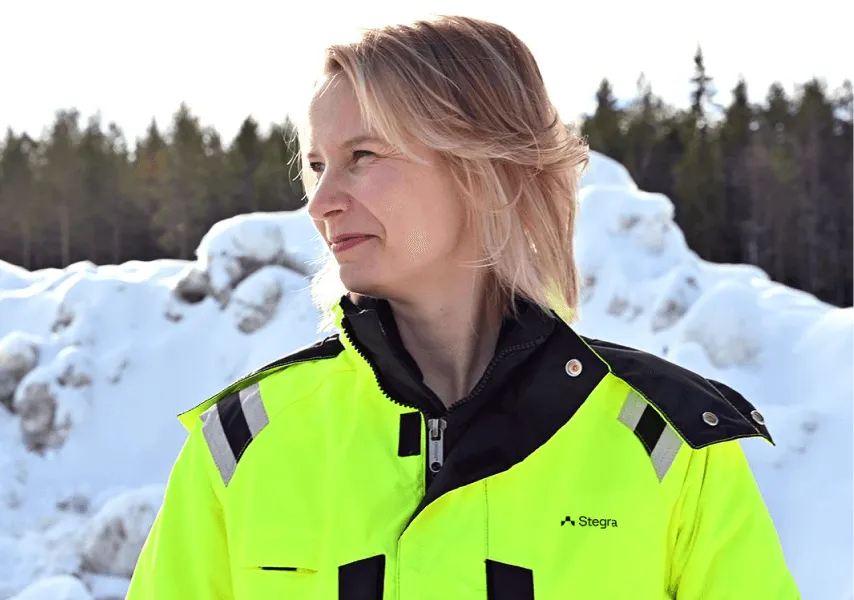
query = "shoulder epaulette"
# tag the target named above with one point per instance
(235, 415)
(702, 411)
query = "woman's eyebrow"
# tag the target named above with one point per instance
(362, 138)
(354, 141)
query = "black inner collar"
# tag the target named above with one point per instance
(374, 332)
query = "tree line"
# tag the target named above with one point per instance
(767, 183)
(80, 193)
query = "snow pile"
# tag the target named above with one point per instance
(61, 587)
(236, 248)
(96, 361)
(94, 364)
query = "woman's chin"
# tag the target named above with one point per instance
(358, 281)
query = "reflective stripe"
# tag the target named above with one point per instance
(665, 451)
(253, 409)
(217, 441)
(632, 410)
(660, 440)
(231, 425)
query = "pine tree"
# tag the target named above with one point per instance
(698, 187)
(603, 129)
(98, 183)
(278, 176)
(123, 210)
(60, 176)
(741, 229)
(220, 184)
(702, 93)
(180, 213)
(647, 156)
(841, 158)
(772, 181)
(244, 159)
(19, 197)
(150, 176)
(813, 136)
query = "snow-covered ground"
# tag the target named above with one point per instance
(97, 360)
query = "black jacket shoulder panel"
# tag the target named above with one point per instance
(329, 347)
(684, 397)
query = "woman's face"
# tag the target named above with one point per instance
(395, 226)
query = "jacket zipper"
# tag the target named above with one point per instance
(435, 445)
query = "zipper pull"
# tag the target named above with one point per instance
(435, 444)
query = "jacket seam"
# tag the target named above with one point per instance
(308, 394)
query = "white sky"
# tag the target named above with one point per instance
(227, 59)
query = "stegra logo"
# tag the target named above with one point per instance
(584, 521)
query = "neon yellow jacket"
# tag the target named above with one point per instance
(575, 469)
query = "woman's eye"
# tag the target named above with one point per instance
(357, 154)
(318, 167)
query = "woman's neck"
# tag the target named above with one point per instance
(451, 337)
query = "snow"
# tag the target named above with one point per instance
(238, 246)
(61, 587)
(97, 360)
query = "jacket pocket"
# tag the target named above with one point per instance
(297, 570)
(274, 580)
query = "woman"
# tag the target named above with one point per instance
(457, 440)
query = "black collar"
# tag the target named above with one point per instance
(370, 325)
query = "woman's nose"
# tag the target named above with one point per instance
(327, 200)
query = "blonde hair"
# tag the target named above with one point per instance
(472, 91)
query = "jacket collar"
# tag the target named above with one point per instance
(369, 325)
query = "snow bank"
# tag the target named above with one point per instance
(62, 587)
(237, 247)
(13, 277)
(114, 537)
(50, 548)
(95, 361)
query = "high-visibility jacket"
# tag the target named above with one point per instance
(576, 468)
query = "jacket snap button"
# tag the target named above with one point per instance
(710, 418)
(573, 367)
(757, 416)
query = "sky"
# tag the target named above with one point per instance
(132, 61)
